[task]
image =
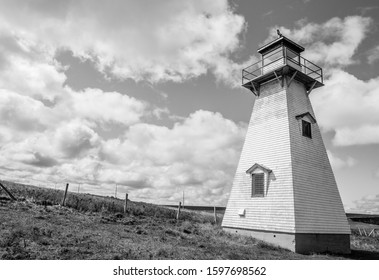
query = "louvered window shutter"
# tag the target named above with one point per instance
(258, 184)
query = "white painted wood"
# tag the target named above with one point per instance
(268, 143)
(301, 195)
(241, 212)
(318, 206)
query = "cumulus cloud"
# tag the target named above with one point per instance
(155, 163)
(51, 133)
(22, 112)
(107, 107)
(176, 40)
(346, 105)
(366, 134)
(373, 55)
(27, 67)
(332, 43)
(198, 154)
(339, 163)
(350, 107)
(368, 204)
(38, 159)
(75, 138)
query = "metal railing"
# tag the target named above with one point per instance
(281, 57)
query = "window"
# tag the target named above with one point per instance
(258, 184)
(292, 56)
(307, 129)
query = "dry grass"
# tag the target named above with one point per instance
(92, 227)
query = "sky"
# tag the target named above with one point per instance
(147, 95)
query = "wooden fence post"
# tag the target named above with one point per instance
(214, 214)
(8, 192)
(178, 214)
(126, 203)
(64, 197)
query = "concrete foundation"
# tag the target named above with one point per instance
(303, 243)
(307, 243)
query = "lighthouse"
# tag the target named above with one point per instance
(284, 191)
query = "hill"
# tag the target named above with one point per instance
(92, 227)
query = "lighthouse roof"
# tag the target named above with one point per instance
(282, 40)
(309, 115)
(258, 166)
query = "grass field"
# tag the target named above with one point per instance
(92, 227)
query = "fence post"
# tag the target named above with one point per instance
(8, 192)
(178, 214)
(126, 203)
(214, 214)
(64, 197)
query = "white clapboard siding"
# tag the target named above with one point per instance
(302, 195)
(266, 143)
(318, 205)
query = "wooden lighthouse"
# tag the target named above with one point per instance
(284, 191)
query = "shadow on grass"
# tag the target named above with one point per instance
(363, 255)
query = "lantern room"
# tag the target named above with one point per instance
(280, 59)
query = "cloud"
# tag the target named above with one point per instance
(107, 107)
(367, 204)
(75, 138)
(45, 127)
(38, 159)
(373, 55)
(155, 163)
(28, 68)
(346, 105)
(176, 41)
(198, 154)
(267, 13)
(228, 72)
(365, 134)
(13, 108)
(332, 43)
(367, 9)
(338, 163)
(52, 133)
(350, 107)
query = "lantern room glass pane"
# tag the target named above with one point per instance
(272, 56)
(272, 60)
(293, 57)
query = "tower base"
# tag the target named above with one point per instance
(302, 243)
